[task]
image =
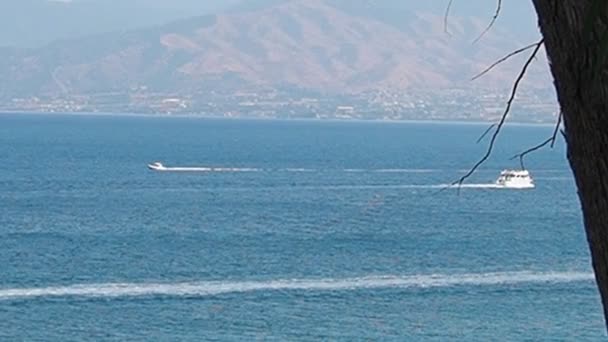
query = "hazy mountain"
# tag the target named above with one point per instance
(34, 23)
(333, 45)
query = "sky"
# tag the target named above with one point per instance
(33, 23)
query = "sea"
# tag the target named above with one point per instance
(302, 231)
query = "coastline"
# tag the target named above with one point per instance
(241, 118)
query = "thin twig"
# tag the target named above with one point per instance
(446, 16)
(521, 75)
(551, 140)
(496, 14)
(486, 132)
(530, 150)
(557, 125)
(516, 52)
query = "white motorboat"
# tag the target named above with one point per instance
(516, 179)
(157, 166)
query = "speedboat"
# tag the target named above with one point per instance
(157, 166)
(515, 179)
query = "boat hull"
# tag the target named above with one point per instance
(517, 187)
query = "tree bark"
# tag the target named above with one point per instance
(574, 53)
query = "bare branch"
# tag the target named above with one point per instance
(496, 14)
(551, 140)
(530, 150)
(446, 16)
(516, 52)
(521, 75)
(486, 132)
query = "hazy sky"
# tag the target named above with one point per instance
(37, 22)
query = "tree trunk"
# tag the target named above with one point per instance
(573, 52)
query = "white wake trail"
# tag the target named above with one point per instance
(207, 169)
(287, 169)
(211, 288)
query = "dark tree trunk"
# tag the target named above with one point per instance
(573, 55)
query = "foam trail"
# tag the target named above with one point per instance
(208, 169)
(211, 288)
(479, 186)
(288, 169)
(235, 169)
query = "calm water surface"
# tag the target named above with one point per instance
(310, 231)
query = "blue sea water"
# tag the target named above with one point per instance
(317, 231)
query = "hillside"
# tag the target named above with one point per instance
(307, 44)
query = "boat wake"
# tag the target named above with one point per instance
(158, 166)
(212, 288)
(208, 169)
(475, 186)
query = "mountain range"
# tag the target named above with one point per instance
(332, 46)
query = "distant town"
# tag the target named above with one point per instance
(453, 104)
